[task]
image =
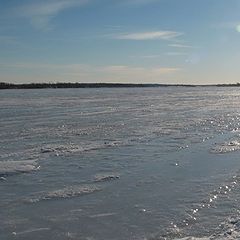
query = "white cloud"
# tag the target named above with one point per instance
(156, 35)
(41, 12)
(176, 53)
(180, 46)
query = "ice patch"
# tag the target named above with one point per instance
(227, 147)
(30, 231)
(74, 148)
(14, 167)
(100, 215)
(229, 230)
(68, 192)
(193, 238)
(105, 177)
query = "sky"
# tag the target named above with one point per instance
(120, 41)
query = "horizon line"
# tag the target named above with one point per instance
(5, 85)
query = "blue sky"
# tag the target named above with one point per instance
(137, 41)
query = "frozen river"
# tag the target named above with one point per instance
(120, 164)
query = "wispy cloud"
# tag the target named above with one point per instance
(180, 46)
(155, 35)
(40, 13)
(176, 54)
(149, 56)
(85, 73)
(122, 69)
(85, 67)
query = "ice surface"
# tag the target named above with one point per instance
(143, 158)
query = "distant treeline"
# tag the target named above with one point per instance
(4, 85)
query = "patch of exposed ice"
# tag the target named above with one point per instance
(100, 215)
(193, 238)
(14, 167)
(105, 177)
(74, 148)
(30, 231)
(227, 147)
(68, 192)
(228, 230)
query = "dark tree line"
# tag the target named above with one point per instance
(4, 85)
(73, 85)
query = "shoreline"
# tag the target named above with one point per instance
(4, 85)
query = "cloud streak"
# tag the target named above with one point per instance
(176, 54)
(154, 35)
(180, 46)
(85, 73)
(41, 13)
